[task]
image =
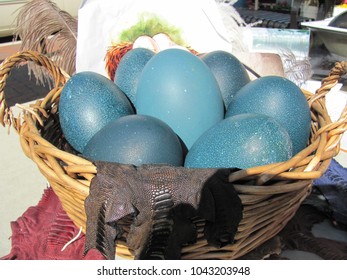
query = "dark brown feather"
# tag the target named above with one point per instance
(43, 27)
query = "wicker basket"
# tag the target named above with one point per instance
(268, 204)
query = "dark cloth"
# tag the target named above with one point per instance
(43, 230)
(333, 185)
(298, 235)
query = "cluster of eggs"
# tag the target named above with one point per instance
(174, 107)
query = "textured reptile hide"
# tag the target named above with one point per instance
(162, 202)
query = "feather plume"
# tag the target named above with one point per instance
(298, 70)
(43, 27)
(234, 25)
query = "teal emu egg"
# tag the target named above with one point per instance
(137, 140)
(178, 88)
(230, 73)
(129, 70)
(279, 98)
(241, 141)
(87, 103)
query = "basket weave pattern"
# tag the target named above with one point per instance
(270, 194)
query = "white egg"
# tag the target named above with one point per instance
(163, 41)
(146, 42)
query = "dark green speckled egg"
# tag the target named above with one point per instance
(129, 70)
(88, 102)
(137, 140)
(241, 141)
(229, 72)
(178, 88)
(279, 98)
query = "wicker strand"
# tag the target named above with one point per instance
(339, 69)
(59, 77)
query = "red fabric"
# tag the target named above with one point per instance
(42, 232)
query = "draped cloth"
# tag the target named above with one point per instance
(333, 186)
(42, 232)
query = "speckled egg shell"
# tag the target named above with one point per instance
(241, 141)
(279, 98)
(230, 73)
(88, 102)
(129, 70)
(178, 88)
(136, 140)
